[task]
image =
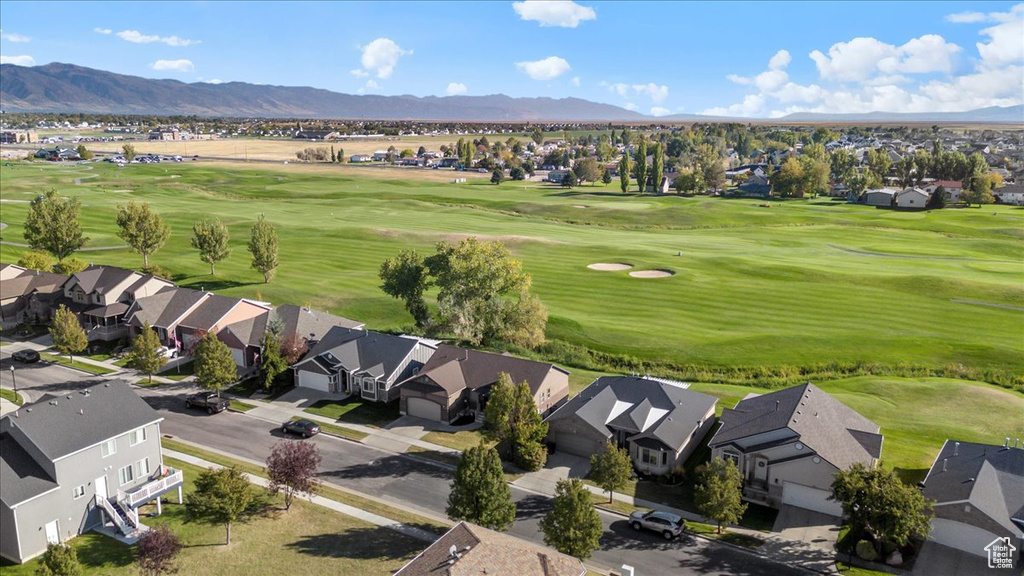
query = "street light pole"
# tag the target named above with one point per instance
(14, 381)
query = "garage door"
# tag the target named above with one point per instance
(423, 408)
(574, 444)
(810, 498)
(960, 536)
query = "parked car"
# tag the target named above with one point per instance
(26, 356)
(208, 400)
(168, 353)
(304, 428)
(667, 524)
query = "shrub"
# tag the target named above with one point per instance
(866, 551)
(157, 271)
(531, 456)
(70, 266)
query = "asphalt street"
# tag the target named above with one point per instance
(409, 483)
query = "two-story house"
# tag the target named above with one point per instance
(101, 295)
(457, 381)
(352, 362)
(27, 295)
(789, 444)
(73, 463)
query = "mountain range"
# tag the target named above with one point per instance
(58, 87)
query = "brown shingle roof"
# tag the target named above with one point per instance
(455, 368)
(479, 551)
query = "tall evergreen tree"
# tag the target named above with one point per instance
(658, 165)
(479, 492)
(528, 430)
(624, 170)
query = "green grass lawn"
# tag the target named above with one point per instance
(460, 440)
(305, 539)
(63, 361)
(810, 284)
(240, 406)
(180, 372)
(11, 396)
(356, 411)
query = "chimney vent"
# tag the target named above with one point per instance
(776, 405)
(80, 411)
(956, 449)
(1006, 444)
(944, 464)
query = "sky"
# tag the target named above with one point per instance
(721, 58)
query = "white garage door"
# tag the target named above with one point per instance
(810, 498)
(961, 536)
(313, 380)
(423, 408)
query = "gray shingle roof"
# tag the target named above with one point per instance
(249, 332)
(990, 477)
(164, 308)
(66, 424)
(209, 312)
(102, 279)
(377, 354)
(309, 324)
(31, 281)
(827, 426)
(20, 477)
(648, 409)
(454, 369)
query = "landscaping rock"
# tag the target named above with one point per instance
(894, 559)
(866, 551)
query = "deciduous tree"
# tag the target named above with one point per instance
(293, 347)
(624, 171)
(528, 430)
(157, 548)
(36, 260)
(210, 237)
(569, 180)
(67, 332)
(52, 224)
(59, 560)
(657, 165)
(145, 353)
(479, 492)
(719, 491)
(263, 247)
(214, 366)
(405, 278)
(876, 502)
(292, 468)
(128, 151)
(221, 497)
(641, 164)
(573, 526)
(142, 229)
(611, 469)
(498, 176)
(587, 170)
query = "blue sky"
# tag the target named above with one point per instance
(742, 59)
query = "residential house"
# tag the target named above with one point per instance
(789, 444)
(456, 382)
(659, 422)
(213, 313)
(470, 550)
(881, 198)
(101, 295)
(360, 158)
(1012, 194)
(245, 339)
(349, 361)
(978, 495)
(70, 464)
(27, 295)
(953, 189)
(308, 324)
(912, 199)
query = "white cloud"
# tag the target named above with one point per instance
(359, 73)
(24, 60)
(136, 37)
(966, 17)
(781, 59)
(562, 13)
(371, 84)
(546, 69)
(12, 37)
(657, 93)
(381, 56)
(182, 65)
(105, 31)
(660, 111)
(630, 106)
(752, 105)
(929, 53)
(576, 81)
(738, 79)
(862, 58)
(619, 88)
(214, 81)
(455, 88)
(1004, 45)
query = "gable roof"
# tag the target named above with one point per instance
(308, 323)
(990, 478)
(360, 351)
(825, 425)
(102, 279)
(29, 281)
(210, 311)
(165, 308)
(453, 369)
(63, 425)
(248, 332)
(480, 551)
(21, 477)
(647, 408)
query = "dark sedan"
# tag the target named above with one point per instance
(304, 428)
(26, 356)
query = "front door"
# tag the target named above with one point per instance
(761, 471)
(52, 533)
(101, 487)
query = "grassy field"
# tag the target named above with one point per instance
(306, 539)
(798, 285)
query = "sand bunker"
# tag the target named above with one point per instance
(652, 274)
(609, 267)
(580, 206)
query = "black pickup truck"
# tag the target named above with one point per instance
(208, 400)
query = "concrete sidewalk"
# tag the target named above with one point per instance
(321, 501)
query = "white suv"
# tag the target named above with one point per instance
(667, 524)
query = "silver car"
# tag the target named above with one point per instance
(667, 524)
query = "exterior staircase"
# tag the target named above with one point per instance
(124, 522)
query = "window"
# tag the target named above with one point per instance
(125, 475)
(137, 436)
(78, 492)
(142, 468)
(649, 457)
(367, 385)
(734, 457)
(109, 447)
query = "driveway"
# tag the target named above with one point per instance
(938, 560)
(559, 467)
(805, 536)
